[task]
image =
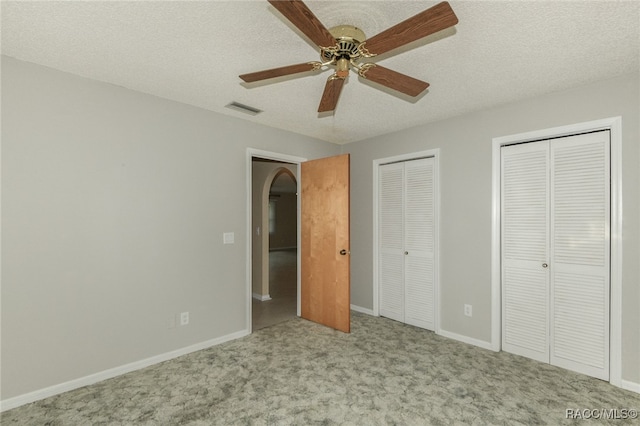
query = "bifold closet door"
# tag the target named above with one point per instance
(555, 251)
(419, 243)
(580, 252)
(391, 240)
(525, 250)
(406, 242)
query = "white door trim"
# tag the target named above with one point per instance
(614, 125)
(251, 152)
(435, 153)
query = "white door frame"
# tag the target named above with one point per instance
(614, 125)
(251, 152)
(435, 154)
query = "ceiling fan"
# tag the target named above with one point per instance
(344, 46)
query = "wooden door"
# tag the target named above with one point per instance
(325, 269)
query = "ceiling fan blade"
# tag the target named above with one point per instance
(300, 16)
(430, 21)
(279, 72)
(331, 94)
(394, 80)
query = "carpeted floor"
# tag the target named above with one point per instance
(297, 372)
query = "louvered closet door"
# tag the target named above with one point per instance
(406, 242)
(525, 242)
(579, 267)
(556, 250)
(419, 243)
(391, 241)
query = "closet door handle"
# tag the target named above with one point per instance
(544, 265)
(344, 252)
(406, 253)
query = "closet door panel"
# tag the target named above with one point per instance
(391, 241)
(580, 206)
(525, 236)
(419, 300)
(419, 243)
(526, 312)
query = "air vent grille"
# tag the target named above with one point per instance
(243, 108)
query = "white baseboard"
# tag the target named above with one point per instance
(625, 384)
(630, 386)
(362, 310)
(30, 397)
(465, 339)
(260, 297)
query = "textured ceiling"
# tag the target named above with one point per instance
(193, 52)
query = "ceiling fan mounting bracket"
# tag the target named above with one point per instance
(348, 32)
(364, 53)
(362, 69)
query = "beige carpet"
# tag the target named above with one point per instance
(297, 372)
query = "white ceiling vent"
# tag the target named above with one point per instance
(244, 108)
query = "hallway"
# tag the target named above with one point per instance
(282, 289)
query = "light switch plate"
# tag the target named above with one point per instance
(228, 238)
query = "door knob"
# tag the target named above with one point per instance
(406, 253)
(344, 252)
(544, 265)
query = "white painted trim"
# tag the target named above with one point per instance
(435, 153)
(615, 261)
(614, 125)
(465, 339)
(252, 152)
(496, 288)
(30, 397)
(630, 386)
(362, 310)
(261, 297)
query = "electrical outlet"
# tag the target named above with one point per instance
(468, 310)
(184, 318)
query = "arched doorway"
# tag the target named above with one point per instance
(275, 252)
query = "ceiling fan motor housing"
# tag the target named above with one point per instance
(348, 38)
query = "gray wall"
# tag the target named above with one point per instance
(286, 232)
(113, 208)
(114, 204)
(465, 183)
